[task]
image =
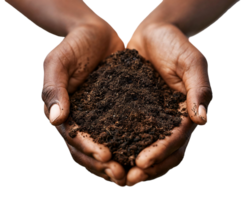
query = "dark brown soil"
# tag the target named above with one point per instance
(126, 105)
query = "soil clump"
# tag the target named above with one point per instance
(125, 105)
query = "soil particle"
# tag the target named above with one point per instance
(125, 105)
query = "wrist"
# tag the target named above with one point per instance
(56, 16)
(74, 22)
(191, 16)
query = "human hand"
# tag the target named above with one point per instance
(184, 69)
(65, 68)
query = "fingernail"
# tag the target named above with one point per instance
(109, 173)
(54, 112)
(203, 113)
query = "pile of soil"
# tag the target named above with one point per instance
(125, 105)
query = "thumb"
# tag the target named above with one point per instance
(199, 93)
(57, 104)
(55, 94)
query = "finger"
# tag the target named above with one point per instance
(84, 146)
(83, 142)
(55, 94)
(89, 164)
(199, 93)
(161, 149)
(112, 169)
(162, 168)
(136, 175)
(181, 65)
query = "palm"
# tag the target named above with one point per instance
(82, 50)
(170, 52)
(182, 66)
(66, 67)
(95, 49)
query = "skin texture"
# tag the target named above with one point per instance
(190, 16)
(184, 69)
(58, 17)
(160, 38)
(66, 67)
(89, 39)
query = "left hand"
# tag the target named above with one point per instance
(66, 68)
(184, 69)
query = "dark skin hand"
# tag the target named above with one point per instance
(65, 67)
(173, 67)
(161, 38)
(184, 69)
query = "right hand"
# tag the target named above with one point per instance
(184, 69)
(66, 68)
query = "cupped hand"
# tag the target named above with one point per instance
(65, 68)
(184, 69)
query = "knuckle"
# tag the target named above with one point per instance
(206, 93)
(198, 59)
(48, 94)
(49, 60)
(59, 57)
(193, 59)
(201, 57)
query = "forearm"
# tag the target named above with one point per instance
(190, 16)
(55, 16)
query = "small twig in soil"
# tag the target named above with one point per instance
(108, 131)
(119, 152)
